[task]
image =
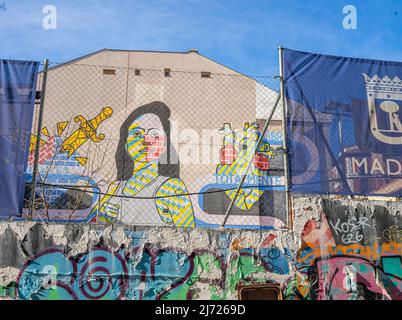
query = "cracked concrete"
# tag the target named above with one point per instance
(185, 263)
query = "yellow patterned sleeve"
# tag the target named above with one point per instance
(175, 209)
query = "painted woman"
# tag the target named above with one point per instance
(148, 189)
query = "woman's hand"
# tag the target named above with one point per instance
(176, 209)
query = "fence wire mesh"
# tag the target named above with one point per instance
(156, 147)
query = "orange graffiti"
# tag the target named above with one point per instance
(372, 252)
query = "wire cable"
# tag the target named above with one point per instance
(145, 198)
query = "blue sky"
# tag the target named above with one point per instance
(243, 35)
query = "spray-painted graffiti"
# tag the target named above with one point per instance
(165, 263)
(350, 230)
(350, 278)
(343, 259)
(392, 234)
(356, 227)
(145, 272)
(50, 275)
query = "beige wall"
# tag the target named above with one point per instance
(189, 61)
(196, 103)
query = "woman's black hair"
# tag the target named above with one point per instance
(168, 162)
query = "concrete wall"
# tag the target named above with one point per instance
(339, 249)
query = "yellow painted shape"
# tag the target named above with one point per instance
(33, 143)
(45, 131)
(81, 160)
(74, 141)
(61, 126)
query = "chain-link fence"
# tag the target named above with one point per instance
(157, 147)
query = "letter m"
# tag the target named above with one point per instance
(359, 164)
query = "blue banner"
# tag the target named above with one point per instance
(17, 93)
(344, 124)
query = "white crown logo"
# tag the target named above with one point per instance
(385, 84)
(385, 95)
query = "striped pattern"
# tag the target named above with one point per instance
(245, 146)
(135, 144)
(246, 198)
(103, 215)
(172, 210)
(175, 210)
(141, 178)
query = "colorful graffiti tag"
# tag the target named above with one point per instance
(144, 272)
(323, 267)
(100, 274)
(342, 258)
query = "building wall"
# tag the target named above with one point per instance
(189, 61)
(80, 92)
(339, 249)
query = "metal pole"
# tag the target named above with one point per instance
(250, 162)
(99, 205)
(38, 137)
(284, 137)
(340, 135)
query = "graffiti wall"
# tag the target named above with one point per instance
(154, 263)
(335, 252)
(349, 252)
(151, 149)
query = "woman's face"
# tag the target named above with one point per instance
(146, 140)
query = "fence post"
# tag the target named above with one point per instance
(289, 219)
(38, 137)
(250, 162)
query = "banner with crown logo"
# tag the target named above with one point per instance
(344, 124)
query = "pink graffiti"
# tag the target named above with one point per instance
(348, 278)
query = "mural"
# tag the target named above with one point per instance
(143, 185)
(145, 148)
(52, 276)
(86, 131)
(61, 164)
(261, 195)
(237, 151)
(147, 167)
